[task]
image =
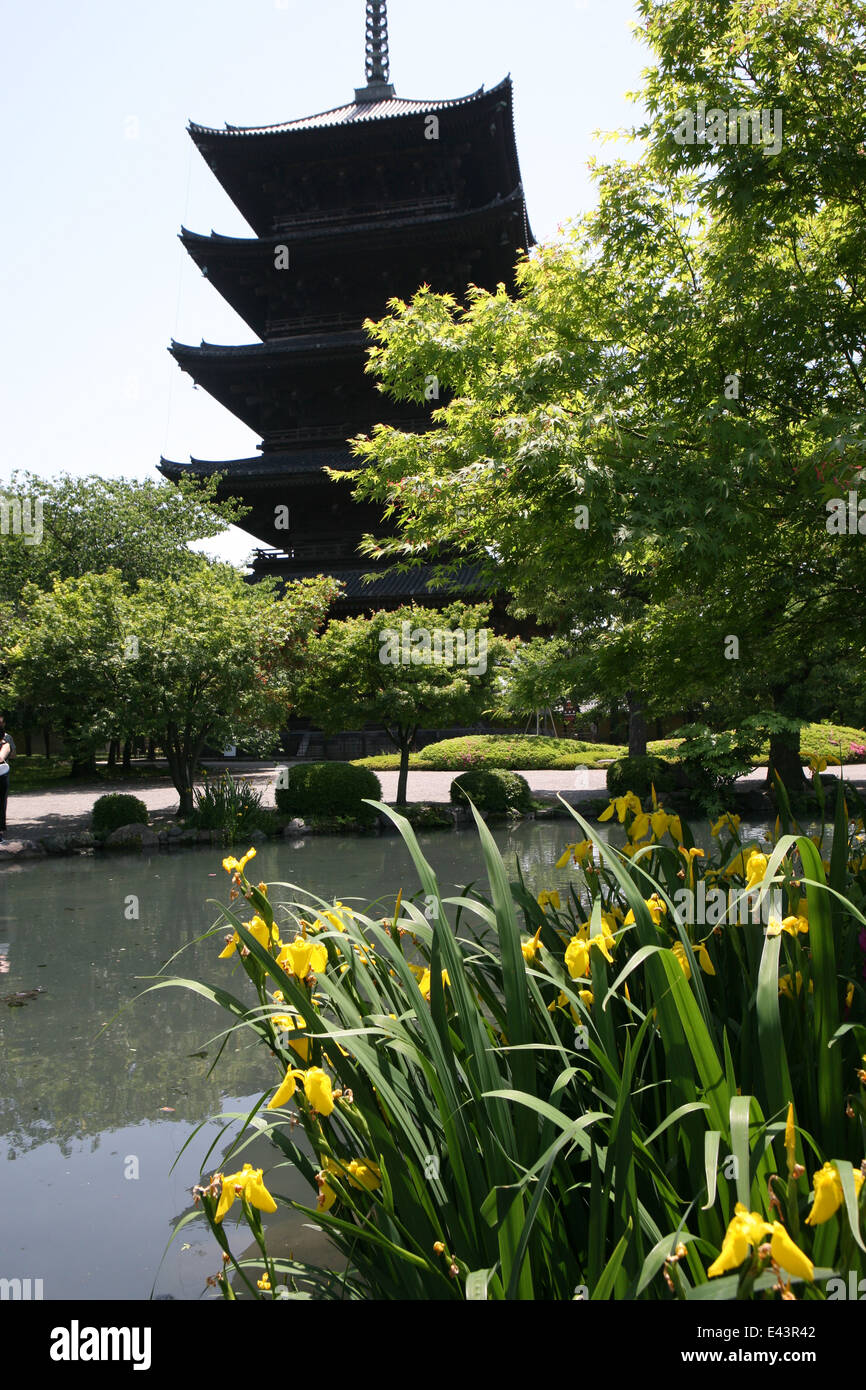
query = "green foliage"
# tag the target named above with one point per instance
(356, 674)
(518, 752)
(539, 676)
(427, 816)
(833, 741)
(117, 809)
(639, 775)
(493, 790)
(203, 658)
(321, 791)
(93, 524)
(544, 1102)
(229, 805)
(712, 762)
(641, 422)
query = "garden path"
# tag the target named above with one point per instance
(33, 815)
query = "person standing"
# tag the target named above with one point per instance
(7, 752)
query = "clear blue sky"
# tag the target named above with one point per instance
(99, 173)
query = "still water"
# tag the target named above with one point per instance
(92, 1118)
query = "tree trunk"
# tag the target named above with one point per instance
(28, 743)
(177, 770)
(112, 755)
(46, 734)
(84, 767)
(637, 731)
(127, 755)
(785, 758)
(151, 750)
(403, 778)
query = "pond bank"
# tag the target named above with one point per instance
(57, 822)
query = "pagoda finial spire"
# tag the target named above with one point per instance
(378, 86)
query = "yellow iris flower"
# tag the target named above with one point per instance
(729, 822)
(755, 869)
(791, 925)
(530, 948)
(622, 805)
(318, 1090)
(747, 1230)
(658, 909)
(249, 1184)
(237, 866)
(577, 954)
(365, 1174)
(788, 989)
(327, 1195)
(424, 982)
(359, 1173)
(287, 1023)
(827, 1186)
(550, 899)
(256, 928)
(702, 954)
(286, 1090)
(579, 853)
(302, 957)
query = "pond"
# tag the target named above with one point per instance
(92, 1118)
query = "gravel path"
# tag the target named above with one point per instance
(35, 814)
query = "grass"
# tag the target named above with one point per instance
(526, 753)
(38, 773)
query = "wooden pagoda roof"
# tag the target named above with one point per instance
(255, 164)
(265, 469)
(352, 113)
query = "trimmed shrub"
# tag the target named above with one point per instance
(639, 775)
(328, 790)
(493, 790)
(117, 809)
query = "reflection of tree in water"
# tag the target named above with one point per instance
(61, 1083)
(62, 1080)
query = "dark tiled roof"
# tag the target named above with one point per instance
(263, 467)
(299, 346)
(326, 231)
(411, 583)
(353, 113)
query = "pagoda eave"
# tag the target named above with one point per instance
(436, 228)
(350, 114)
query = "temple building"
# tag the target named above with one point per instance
(350, 208)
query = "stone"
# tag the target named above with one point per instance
(55, 844)
(138, 837)
(20, 849)
(257, 837)
(81, 839)
(204, 837)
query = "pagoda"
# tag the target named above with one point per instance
(350, 208)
